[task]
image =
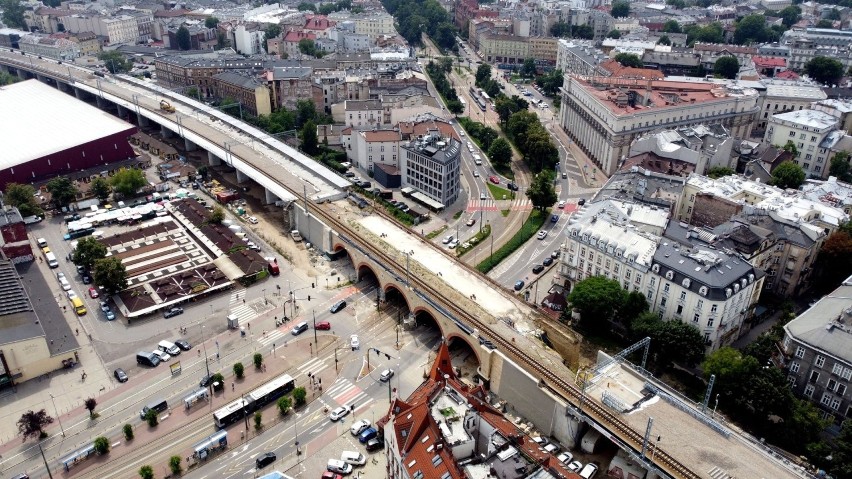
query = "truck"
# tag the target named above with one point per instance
(78, 305)
(297, 237)
(51, 260)
(31, 220)
(166, 106)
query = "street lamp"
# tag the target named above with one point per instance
(45, 460)
(204, 345)
(315, 331)
(56, 411)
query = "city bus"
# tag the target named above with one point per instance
(251, 402)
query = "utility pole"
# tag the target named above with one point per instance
(45, 460)
(315, 330)
(63, 429)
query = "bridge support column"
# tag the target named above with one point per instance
(241, 177)
(122, 112)
(165, 132)
(213, 160)
(100, 101)
(143, 120)
(188, 145)
(22, 74)
(270, 197)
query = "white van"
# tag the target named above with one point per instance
(64, 283)
(51, 260)
(353, 457)
(338, 466)
(477, 159)
(168, 347)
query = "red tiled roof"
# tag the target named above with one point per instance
(620, 71)
(768, 62)
(318, 22)
(381, 135)
(787, 75)
(296, 36)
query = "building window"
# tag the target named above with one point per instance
(820, 361)
(679, 309)
(800, 352)
(710, 323)
(832, 384)
(714, 308)
(826, 399)
(837, 369)
(700, 304)
(666, 288)
(809, 390)
(835, 404)
(794, 367)
(814, 376)
(683, 295)
(662, 303)
(841, 389)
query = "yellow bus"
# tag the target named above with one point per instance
(79, 307)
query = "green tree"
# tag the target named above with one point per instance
(306, 7)
(239, 370)
(840, 464)
(834, 262)
(790, 147)
(23, 197)
(500, 153)
(672, 26)
(211, 22)
(597, 299)
(629, 60)
(110, 274)
(712, 33)
(183, 39)
(151, 418)
(217, 215)
(100, 188)
(825, 24)
(551, 81)
(284, 405)
(128, 432)
(7, 78)
(115, 61)
(634, 304)
(146, 472)
(675, 342)
(88, 251)
(127, 181)
(175, 465)
(299, 395)
(677, 4)
(840, 167)
(751, 29)
(528, 69)
(483, 72)
(614, 34)
(726, 67)
(720, 171)
(560, 29)
(833, 14)
(309, 47)
(90, 404)
(258, 360)
(13, 13)
(541, 192)
(62, 191)
(824, 70)
(585, 32)
(620, 9)
(788, 175)
(101, 445)
(258, 420)
(32, 424)
(308, 135)
(790, 15)
(664, 40)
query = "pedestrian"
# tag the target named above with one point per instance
(77, 330)
(273, 348)
(233, 386)
(199, 352)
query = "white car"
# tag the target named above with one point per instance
(354, 342)
(164, 356)
(589, 471)
(252, 220)
(551, 448)
(565, 458)
(561, 204)
(542, 234)
(448, 239)
(359, 426)
(454, 244)
(575, 466)
(338, 413)
(71, 294)
(386, 375)
(476, 174)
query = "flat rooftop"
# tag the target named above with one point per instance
(43, 120)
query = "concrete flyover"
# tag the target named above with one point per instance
(529, 377)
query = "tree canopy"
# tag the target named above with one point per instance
(413, 17)
(720, 171)
(672, 26)
(111, 274)
(614, 34)
(88, 251)
(560, 29)
(790, 15)
(528, 68)
(500, 153)
(840, 167)
(788, 175)
(726, 67)
(308, 135)
(184, 41)
(309, 47)
(62, 191)
(597, 299)
(211, 22)
(629, 60)
(115, 61)
(620, 9)
(710, 33)
(100, 188)
(824, 70)
(541, 192)
(127, 181)
(23, 197)
(13, 13)
(671, 341)
(32, 424)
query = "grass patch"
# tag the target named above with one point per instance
(458, 214)
(436, 233)
(505, 170)
(505, 213)
(477, 238)
(498, 192)
(527, 231)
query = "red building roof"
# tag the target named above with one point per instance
(769, 62)
(297, 36)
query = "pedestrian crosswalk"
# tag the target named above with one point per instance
(518, 204)
(345, 393)
(276, 336)
(237, 307)
(314, 366)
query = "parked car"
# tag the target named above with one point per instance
(120, 375)
(575, 466)
(561, 204)
(555, 254)
(367, 434)
(538, 269)
(338, 413)
(104, 306)
(93, 292)
(386, 375)
(252, 220)
(323, 326)
(542, 234)
(471, 222)
(358, 426)
(588, 471)
(264, 460)
(547, 261)
(374, 445)
(565, 458)
(454, 244)
(110, 316)
(170, 313)
(71, 294)
(448, 239)
(164, 356)
(183, 344)
(331, 475)
(554, 218)
(86, 278)
(519, 285)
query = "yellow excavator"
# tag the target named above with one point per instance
(166, 106)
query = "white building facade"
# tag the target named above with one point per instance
(810, 132)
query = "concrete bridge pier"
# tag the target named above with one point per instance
(143, 120)
(22, 74)
(270, 197)
(241, 177)
(165, 132)
(213, 160)
(188, 145)
(63, 87)
(102, 103)
(122, 112)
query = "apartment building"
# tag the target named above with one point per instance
(502, 48)
(682, 280)
(431, 163)
(365, 148)
(831, 192)
(362, 113)
(289, 46)
(46, 46)
(373, 24)
(121, 29)
(818, 353)
(87, 42)
(253, 93)
(581, 58)
(814, 133)
(700, 146)
(248, 40)
(291, 84)
(604, 115)
(782, 97)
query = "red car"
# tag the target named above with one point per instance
(494, 180)
(331, 475)
(324, 325)
(93, 293)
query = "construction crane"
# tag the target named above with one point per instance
(166, 106)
